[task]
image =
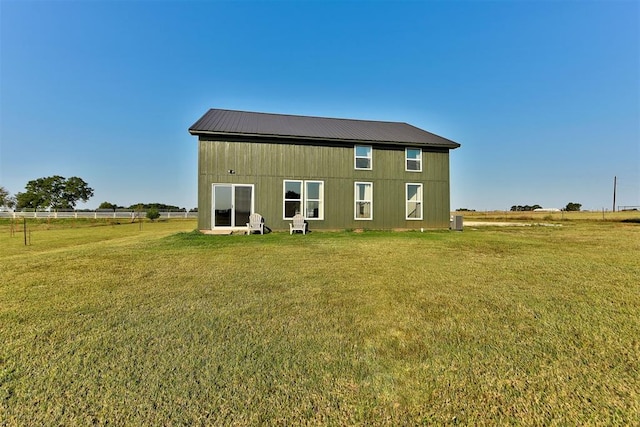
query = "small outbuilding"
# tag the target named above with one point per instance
(337, 173)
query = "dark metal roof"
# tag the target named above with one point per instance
(265, 125)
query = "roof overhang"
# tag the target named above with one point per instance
(254, 137)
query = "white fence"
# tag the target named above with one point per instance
(100, 213)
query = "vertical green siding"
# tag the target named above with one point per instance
(266, 165)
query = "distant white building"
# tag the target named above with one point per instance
(547, 210)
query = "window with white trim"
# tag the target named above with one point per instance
(363, 197)
(303, 197)
(363, 157)
(292, 198)
(413, 159)
(413, 197)
(313, 199)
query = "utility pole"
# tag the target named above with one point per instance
(615, 181)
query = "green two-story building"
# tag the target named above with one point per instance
(338, 173)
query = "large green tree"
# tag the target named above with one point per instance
(55, 192)
(5, 198)
(571, 206)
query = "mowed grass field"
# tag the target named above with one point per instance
(113, 324)
(554, 217)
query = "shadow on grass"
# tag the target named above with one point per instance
(631, 220)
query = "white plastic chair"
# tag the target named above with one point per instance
(298, 224)
(255, 224)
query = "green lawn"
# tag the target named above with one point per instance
(113, 324)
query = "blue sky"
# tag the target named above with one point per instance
(544, 96)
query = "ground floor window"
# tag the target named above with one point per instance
(313, 199)
(413, 197)
(303, 197)
(363, 200)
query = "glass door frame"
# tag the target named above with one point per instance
(233, 187)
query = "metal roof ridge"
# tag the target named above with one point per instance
(306, 116)
(261, 125)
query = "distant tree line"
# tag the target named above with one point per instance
(571, 206)
(143, 207)
(60, 193)
(525, 208)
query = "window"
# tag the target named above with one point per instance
(413, 159)
(303, 197)
(292, 198)
(414, 201)
(313, 196)
(363, 157)
(363, 200)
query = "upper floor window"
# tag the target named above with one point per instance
(413, 159)
(363, 158)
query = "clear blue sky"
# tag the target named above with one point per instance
(544, 96)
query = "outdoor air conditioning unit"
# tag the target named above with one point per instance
(456, 222)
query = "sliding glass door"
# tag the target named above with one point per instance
(232, 205)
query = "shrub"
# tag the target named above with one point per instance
(153, 214)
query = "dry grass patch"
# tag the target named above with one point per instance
(117, 325)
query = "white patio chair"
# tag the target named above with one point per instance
(255, 224)
(298, 224)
